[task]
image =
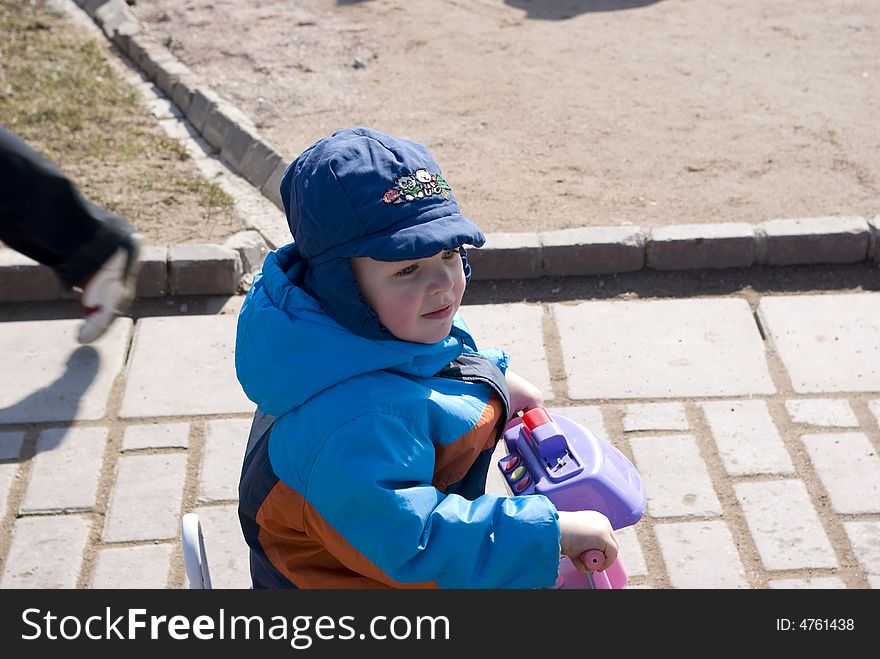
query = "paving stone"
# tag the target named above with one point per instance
(56, 378)
(168, 76)
(203, 270)
(828, 412)
(874, 406)
(849, 468)
(661, 349)
(153, 276)
(815, 240)
(46, 552)
(152, 56)
(864, 536)
(201, 105)
(630, 552)
(240, 138)
(592, 251)
(250, 247)
(66, 470)
(90, 6)
(828, 343)
(8, 473)
(114, 18)
(137, 47)
(674, 475)
(258, 163)
(225, 548)
(146, 496)
(221, 120)
(225, 442)
(183, 89)
(156, 435)
(654, 416)
(589, 416)
(874, 249)
(132, 568)
(700, 555)
(507, 256)
(271, 187)
(517, 328)
(23, 279)
(10, 445)
(183, 366)
(747, 439)
(815, 583)
(694, 246)
(784, 525)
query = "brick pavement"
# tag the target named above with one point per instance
(755, 423)
(759, 455)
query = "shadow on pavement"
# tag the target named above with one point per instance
(62, 397)
(190, 305)
(754, 281)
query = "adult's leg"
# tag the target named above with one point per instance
(44, 216)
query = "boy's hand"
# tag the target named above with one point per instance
(583, 530)
(523, 394)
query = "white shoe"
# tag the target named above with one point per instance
(110, 291)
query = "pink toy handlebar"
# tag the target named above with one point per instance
(613, 577)
(593, 559)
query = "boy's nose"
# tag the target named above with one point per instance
(442, 280)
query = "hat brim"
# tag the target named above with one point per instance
(419, 240)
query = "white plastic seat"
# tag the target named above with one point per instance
(195, 561)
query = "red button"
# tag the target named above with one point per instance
(521, 485)
(511, 463)
(535, 417)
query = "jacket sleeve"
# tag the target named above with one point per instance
(371, 482)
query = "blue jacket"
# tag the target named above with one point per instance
(366, 478)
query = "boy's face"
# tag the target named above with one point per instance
(415, 299)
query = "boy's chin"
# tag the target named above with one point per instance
(435, 334)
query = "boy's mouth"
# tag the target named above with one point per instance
(442, 312)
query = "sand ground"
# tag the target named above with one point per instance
(549, 114)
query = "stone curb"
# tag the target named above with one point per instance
(568, 252)
(612, 250)
(190, 269)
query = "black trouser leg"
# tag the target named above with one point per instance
(43, 215)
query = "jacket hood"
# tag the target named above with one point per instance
(287, 349)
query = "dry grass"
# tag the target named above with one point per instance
(59, 93)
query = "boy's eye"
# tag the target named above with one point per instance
(450, 253)
(408, 270)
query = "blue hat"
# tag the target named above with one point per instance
(360, 192)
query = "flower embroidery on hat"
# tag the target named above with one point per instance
(417, 185)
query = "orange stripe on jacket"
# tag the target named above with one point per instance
(309, 551)
(453, 460)
(306, 549)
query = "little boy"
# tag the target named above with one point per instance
(385, 411)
